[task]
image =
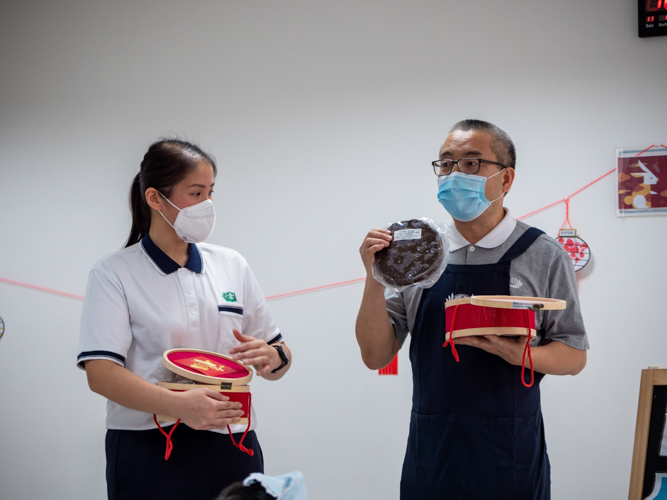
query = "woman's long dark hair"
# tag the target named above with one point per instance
(165, 164)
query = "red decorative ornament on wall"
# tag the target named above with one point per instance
(577, 249)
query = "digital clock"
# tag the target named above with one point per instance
(652, 17)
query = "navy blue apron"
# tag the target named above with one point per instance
(475, 431)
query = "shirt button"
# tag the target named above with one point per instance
(183, 271)
(190, 291)
(472, 248)
(193, 311)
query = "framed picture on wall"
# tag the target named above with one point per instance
(642, 181)
(648, 477)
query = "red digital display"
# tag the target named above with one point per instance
(652, 18)
(653, 5)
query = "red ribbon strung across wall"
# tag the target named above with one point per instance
(315, 289)
(567, 200)
(42, 289)
(348, 282)
(272, 297)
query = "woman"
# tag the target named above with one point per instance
(164, 290)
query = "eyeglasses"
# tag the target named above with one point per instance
(466, 166)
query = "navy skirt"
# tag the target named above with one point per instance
(201, 464)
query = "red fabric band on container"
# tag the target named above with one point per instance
(240, 444)
(237, 397)
(474, 317)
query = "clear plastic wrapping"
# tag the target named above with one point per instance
(417, 255)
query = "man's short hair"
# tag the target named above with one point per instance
(501, 144)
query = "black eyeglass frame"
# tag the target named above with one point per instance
(436, 167)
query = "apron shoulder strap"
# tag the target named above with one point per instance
(522, 244)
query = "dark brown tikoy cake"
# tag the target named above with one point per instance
(410, 261)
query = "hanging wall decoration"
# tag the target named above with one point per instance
(577, 249)
(642, 181)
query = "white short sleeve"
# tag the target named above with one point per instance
(105, 323)
(257, 320)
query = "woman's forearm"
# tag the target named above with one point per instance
(201, 409)
(128, 389)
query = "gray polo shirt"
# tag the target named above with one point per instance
(544, 270)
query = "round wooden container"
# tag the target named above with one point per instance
(496, 315)
(212, 370)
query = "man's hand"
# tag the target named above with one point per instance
(508, 348)
(554, 358)
(255, 352)
(375, 240)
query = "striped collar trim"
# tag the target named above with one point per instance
(166, 264)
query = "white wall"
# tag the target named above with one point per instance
(324, 117)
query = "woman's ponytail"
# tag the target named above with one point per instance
(141, 217)
(165, 164)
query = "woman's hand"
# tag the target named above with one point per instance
(256, 353)
(203, 409)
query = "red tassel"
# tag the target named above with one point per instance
(391, 368)
(530, 356)
(451, 336)
(240, 445)
(170, 444)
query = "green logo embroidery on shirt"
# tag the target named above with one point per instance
(229, 296)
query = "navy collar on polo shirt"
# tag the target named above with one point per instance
(166, 263)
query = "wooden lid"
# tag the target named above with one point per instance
(510, 302)
(175, 386)
(206, 367)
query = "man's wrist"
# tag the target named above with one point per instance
(373, 284)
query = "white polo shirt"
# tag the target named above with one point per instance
(140, 303)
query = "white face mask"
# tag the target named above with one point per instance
(193, 224)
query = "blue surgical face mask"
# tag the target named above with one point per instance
(462, 195)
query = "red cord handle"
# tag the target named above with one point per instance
(170, 444)
(240, 445)
(451, 335)
(530, 356)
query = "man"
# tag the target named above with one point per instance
(476, 432)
